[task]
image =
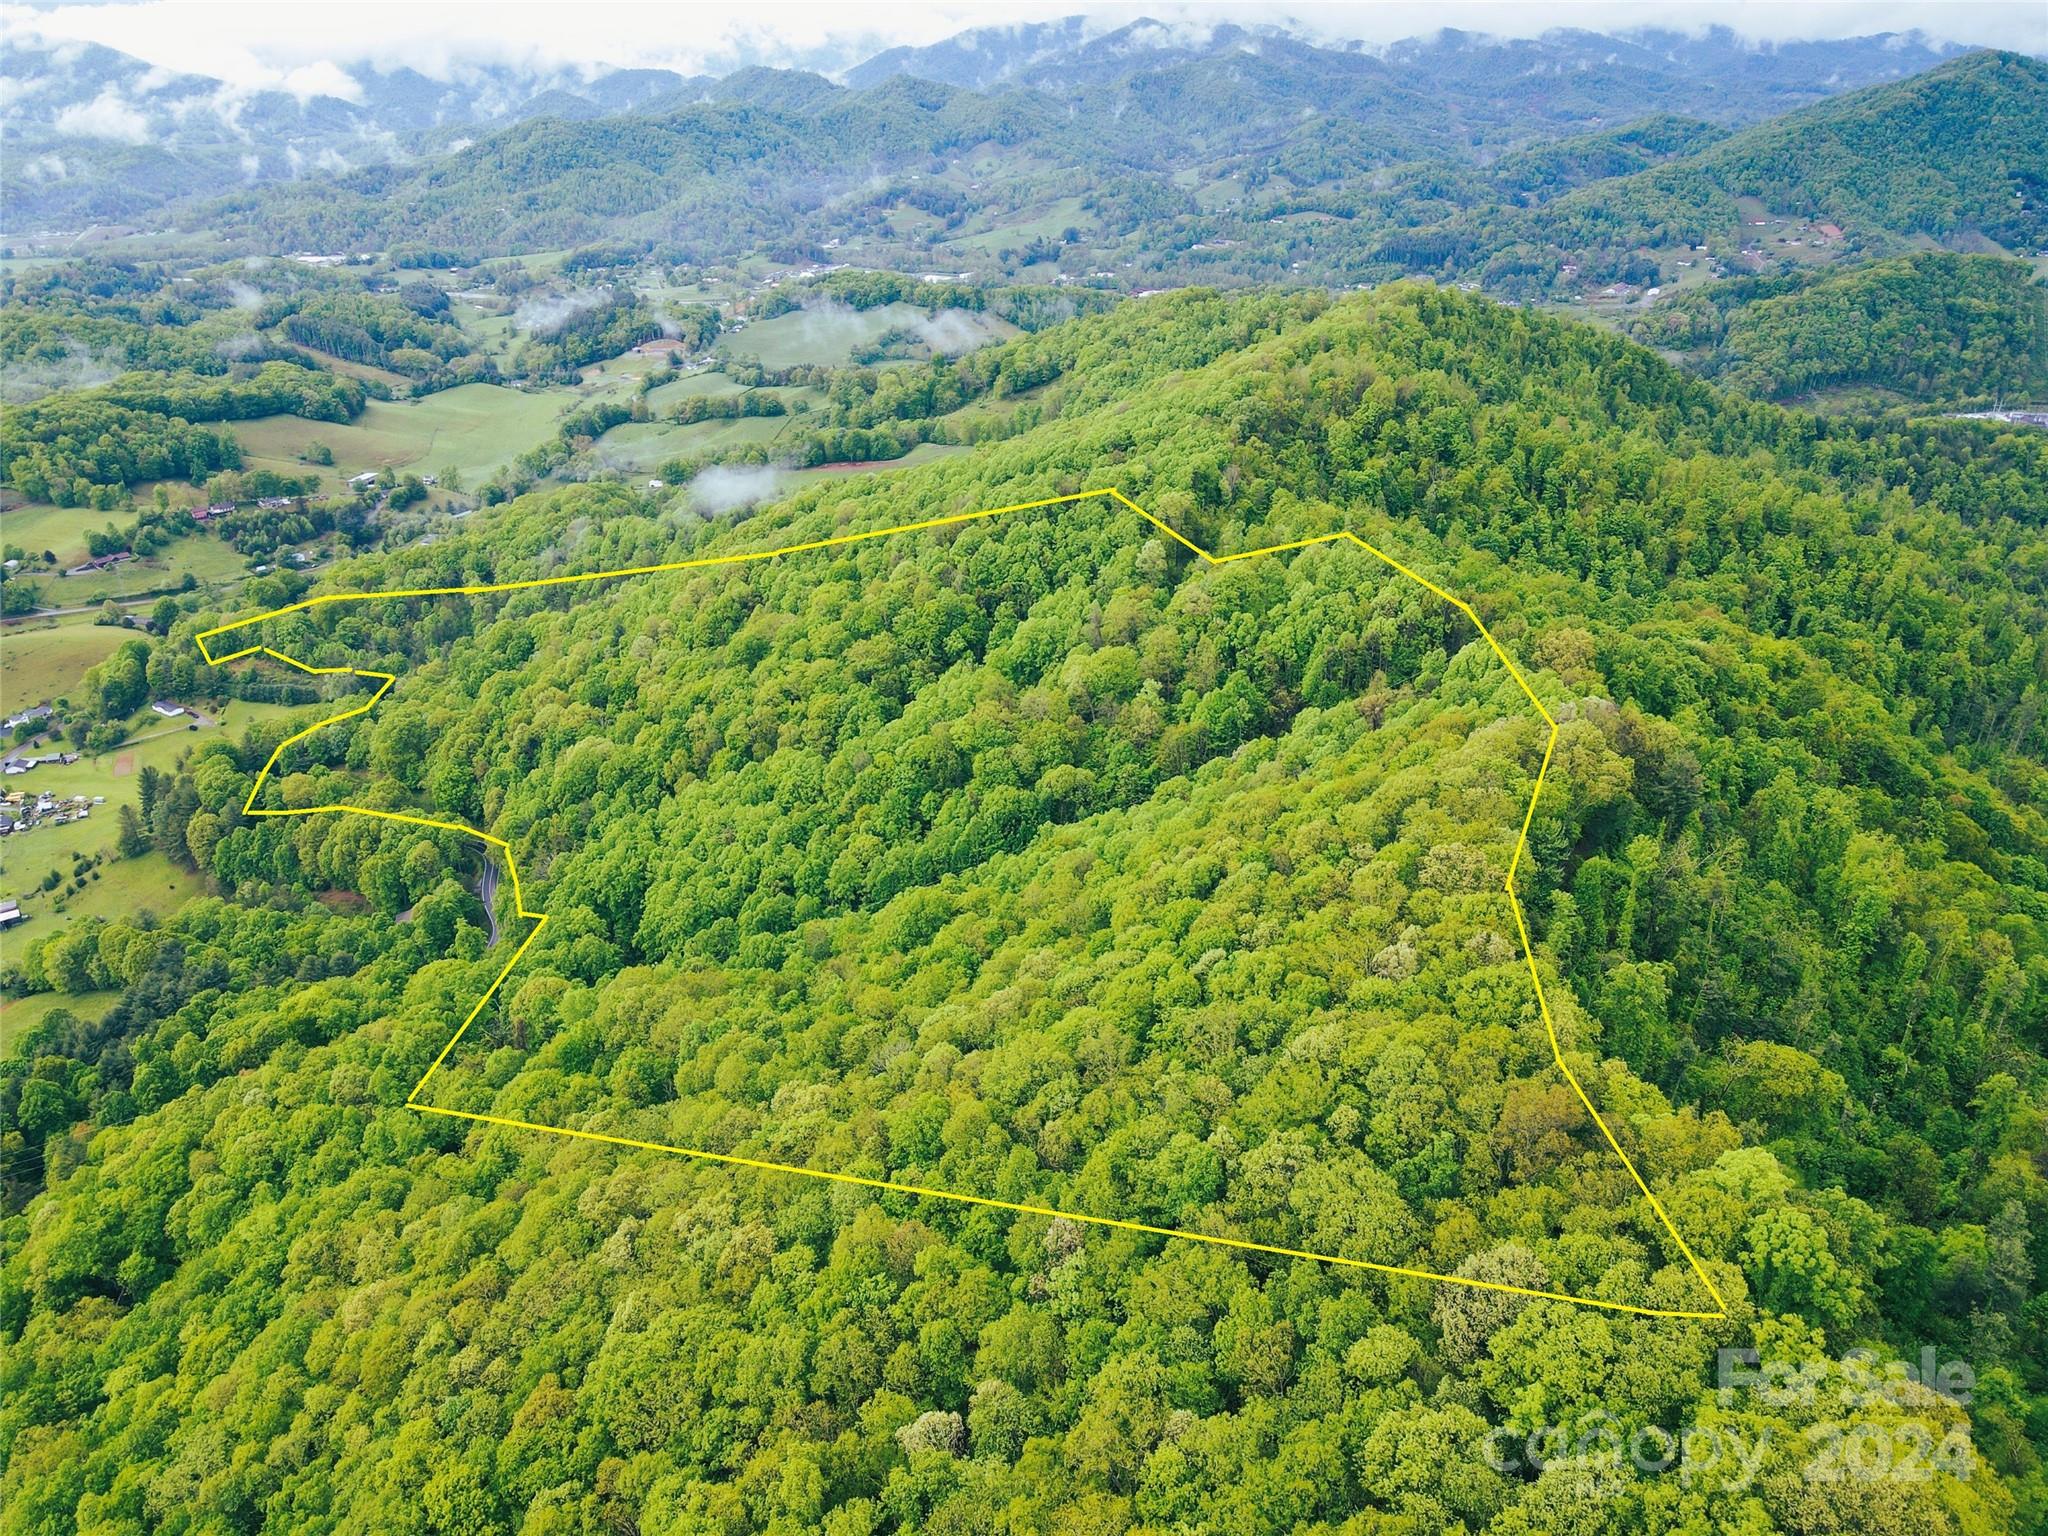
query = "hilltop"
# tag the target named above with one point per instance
(1038, 858)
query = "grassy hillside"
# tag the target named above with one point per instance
(1037, 859)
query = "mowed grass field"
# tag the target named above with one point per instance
(493, 334)
(829, 334)
(1067, 213)
(61, 530)
(21, 1014)
(642, 446)
(125, 887)
(662, 396)
(38, 526)
(44, 661)
(923, 453)
(824, 334)
(347, 369)
(204, 557)
(476, 430)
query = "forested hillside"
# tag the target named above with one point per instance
(1956, 149)
(1955, 152)
(1280, 163)
(1036, 859)
(1932, 327)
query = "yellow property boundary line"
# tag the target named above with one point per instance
(385, 681)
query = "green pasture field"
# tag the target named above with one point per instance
(203, 556)
(347, 369)
(907, 223)
(615, 376)
(474, 428)
(1067, 213)
(38, 526)
(43, 660)
(642, 446)
(61, 530)
(10, 265)
(125, 887)
(923, 453)
(662, 396)
(494, 334)
(814, 335)
(22, 1013)
(830, 336)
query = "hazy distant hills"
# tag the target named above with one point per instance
(96, 136)
(1257, 172)
(1715, 74)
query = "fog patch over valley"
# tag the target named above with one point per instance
(828, 326)
(726, 487)
(550, 312)
(79, 368)
(951, 332)
(241, 348)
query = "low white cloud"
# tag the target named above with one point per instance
(951, 332)
(828, 326)
(724, 487)
(107, 116)
(226, 104)
(78, 368)
(305, 48)
(549, 311)
(324, 78)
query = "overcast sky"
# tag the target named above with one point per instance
(287, 42)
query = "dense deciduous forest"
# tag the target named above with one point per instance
(70, 446)
(1933, 326)
(1034, 859)
(596, 324)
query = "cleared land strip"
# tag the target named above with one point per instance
(539, 920)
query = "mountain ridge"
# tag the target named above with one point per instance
(100, 136)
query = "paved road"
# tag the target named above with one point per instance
(60, 613)
(487, 891)
(144, 600)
